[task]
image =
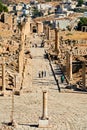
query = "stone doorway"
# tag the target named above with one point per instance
(34, 29)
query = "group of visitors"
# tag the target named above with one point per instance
(42, 74)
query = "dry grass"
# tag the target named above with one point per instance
(76, 35)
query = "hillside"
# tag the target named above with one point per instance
(25, 1)
(15, 1)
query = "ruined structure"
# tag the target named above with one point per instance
(84, 28)
(13, 67)
(36, 27)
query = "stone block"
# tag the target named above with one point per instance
(43, 123)
(1, 94)
(17, 92)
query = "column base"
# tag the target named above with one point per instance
(12, 123)
(2, 93)
(17, 92)
(43, 123)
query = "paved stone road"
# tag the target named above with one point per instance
(67, 111)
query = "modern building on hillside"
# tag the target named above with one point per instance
(85, 14)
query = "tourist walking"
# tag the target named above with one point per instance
(39, 74)
(62, 78)
(42, 74)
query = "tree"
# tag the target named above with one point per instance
(37, 13)
(3, 8)
(82, 22)
(80, 2)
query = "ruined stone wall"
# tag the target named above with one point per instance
(8, 20)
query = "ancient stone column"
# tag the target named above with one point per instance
(19, 63)
(12, 122)
(56, 39)
(67, 65)
(44, 116)
(48, 33)
(3, 75)
(70, 66)
(44, 120)
(84, 75)
(21, 52)
(40, 27)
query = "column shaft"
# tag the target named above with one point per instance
(48, 33)
(70, 66)
(56, 39)
(3, 75)
(44, 105)
(84, 75)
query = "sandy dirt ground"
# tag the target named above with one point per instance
(66, 111)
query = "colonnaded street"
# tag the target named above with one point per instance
(66, 111)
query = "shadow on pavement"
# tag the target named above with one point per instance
(30, 125)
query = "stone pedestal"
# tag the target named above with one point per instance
(43, 123)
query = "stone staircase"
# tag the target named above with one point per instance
(58, 74)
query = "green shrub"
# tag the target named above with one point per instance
(82, 22)
(3, 8)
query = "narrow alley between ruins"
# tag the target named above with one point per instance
(41, 65)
